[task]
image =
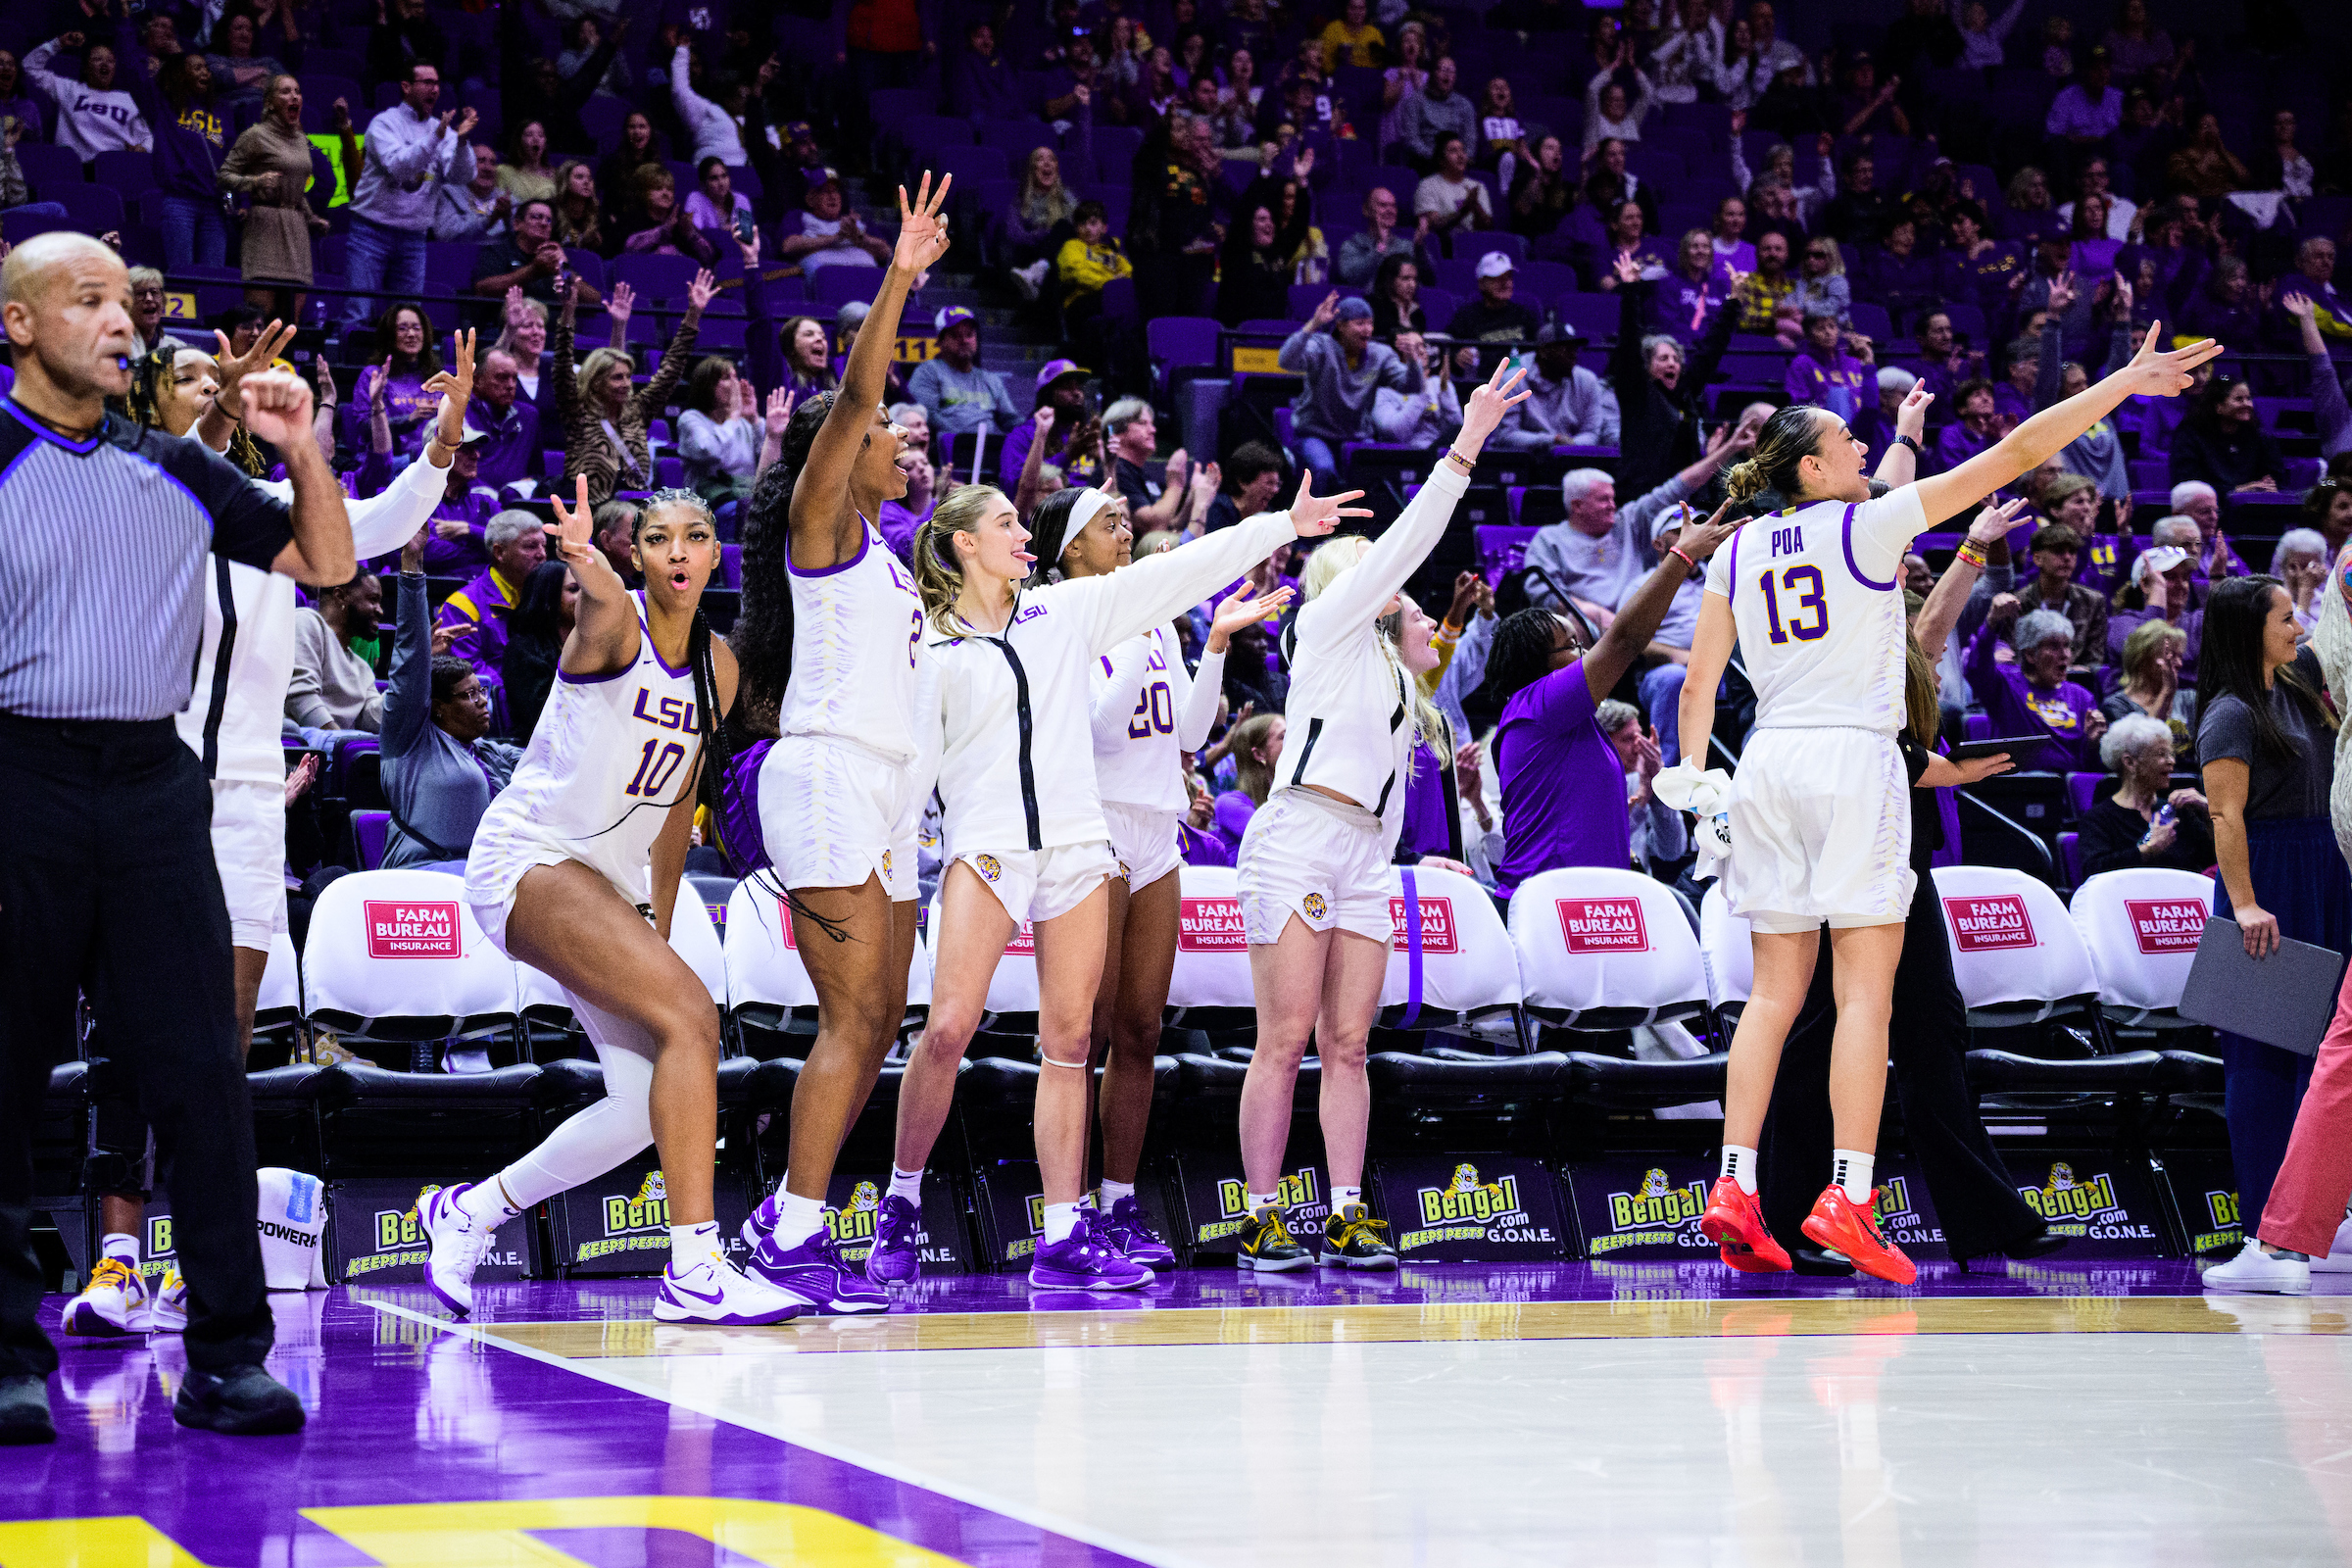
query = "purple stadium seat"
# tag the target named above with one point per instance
(368, 831)
(1439, 305)
(1304, 297)
(21, 223)
(2082, 789)
(2070, 857)
(131, 173)
(1018, 138)
(45, 164)
(1872, 322)
(94, 209)
(1593, 316)
(655, 277)
(670, 473)
(1977, 726)
(1179, 342)
(730, 565)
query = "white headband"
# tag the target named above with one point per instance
(1083, 513)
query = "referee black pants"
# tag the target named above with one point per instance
(108, 888)
(1977, 1205)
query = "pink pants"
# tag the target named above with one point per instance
(2307, 1202)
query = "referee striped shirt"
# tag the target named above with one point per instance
(105, 551)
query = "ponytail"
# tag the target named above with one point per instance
(1788, 438)
(938, 573)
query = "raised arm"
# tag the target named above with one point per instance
(1949, 596)
(1363, 591)
(388, 520)
(1898, 466)
(1639, 621)
(824, 529)
(278, 410)
(655, 396)
(1137, 598)
(604, 629)
(1710, 651)
(409, 693)
(2151, 374)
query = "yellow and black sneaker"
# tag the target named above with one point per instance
(1266, 1244)
(1354, 1239)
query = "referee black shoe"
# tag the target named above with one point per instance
(1354, 1239)
(1267, 1246)
(25, 1410)
(243, 1401)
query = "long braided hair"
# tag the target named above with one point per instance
(143, 404)
(762, 634)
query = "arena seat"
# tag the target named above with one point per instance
(373, 1122)
(285, 1116)
(278, 1011)
(2016, 955)
(1726, 950)
(2141, 926)
(2002, 1075)
(61, 1143)
(1604, 948)
(1453, 1098)
(398, 955)
(2190, 1079)
(1614, 1083)
(996, 1103)
(1467, 968)
(1210, 984)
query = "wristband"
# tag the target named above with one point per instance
(1467, 465)
(1676, 550)
(1971, 553)
(1906, 441)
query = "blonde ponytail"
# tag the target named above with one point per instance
(938, 573)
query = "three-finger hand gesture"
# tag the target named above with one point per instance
(1312, 515)
(922, 227)
(2166, 373)
(1491, 402)
(572, 535)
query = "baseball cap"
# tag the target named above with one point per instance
(2163, 557)
(1352, 308)
(820, 177)
(1675, 517)
(1055, 370)
(1559, 332)
(799, 130)
(1497, 264)
(954, 316)
(470, 435)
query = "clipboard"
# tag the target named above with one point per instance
(2013, 746)
(2287, 999)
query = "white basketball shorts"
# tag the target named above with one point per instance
(1144, 839)
(1307, 854)
(1039, 884)
(833, 815)
(249, 845)
(1821, 831)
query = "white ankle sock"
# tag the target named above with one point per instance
(906, 1184)
(1345, 1197)
(690, 1245)
(1061, 1220)
(121, 1244)
(485, 1205)
(1258, 1200)
(1113, 1192)
(1740, 1164)
(797, 1218)
(1852, 1171)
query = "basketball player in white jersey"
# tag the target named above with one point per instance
(1820, 818)
(1314, 863)
(1026, 840)
(840, 792)
(574, 870)
(1148, 709)
(243, 666)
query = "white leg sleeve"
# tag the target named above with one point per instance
(616, 1128)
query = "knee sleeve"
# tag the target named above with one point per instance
(616, 1128)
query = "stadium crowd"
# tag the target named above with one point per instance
(1371, 197)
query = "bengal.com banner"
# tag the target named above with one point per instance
(373, 1237)
(2110, 1209)
(619, 1222)
(1488, 1208)
(854, 1208)
(1216, 1202)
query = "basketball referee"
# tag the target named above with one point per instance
(107, 881)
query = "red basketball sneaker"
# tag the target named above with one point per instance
(1851, 1230)
(1734, 1223)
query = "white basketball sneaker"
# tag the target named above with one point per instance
(2256, 1272)
(115, 1303)
(2339, 1255)
(715, 1291)
(169, 1313)
(458, 1245)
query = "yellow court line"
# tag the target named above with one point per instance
(1428, 1322)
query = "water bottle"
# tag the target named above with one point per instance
(2161, 819)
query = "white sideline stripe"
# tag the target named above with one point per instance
(718, 1411)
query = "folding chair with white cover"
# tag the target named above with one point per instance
(278, 1007)
(2141, 926)
(1606, 948)
(398, 955)
(1467, 969)
(1210, 984)
(1727, 949)
(2016, 953)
